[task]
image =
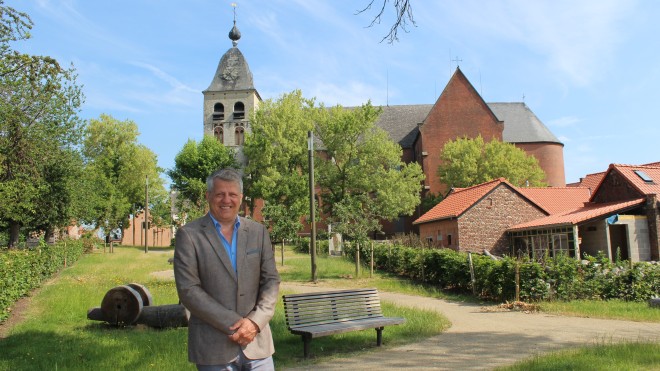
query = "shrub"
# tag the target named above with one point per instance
(24, 270)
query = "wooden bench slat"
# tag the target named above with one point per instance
(320, 314)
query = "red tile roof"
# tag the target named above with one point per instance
(459, 200)
(590, 181)
(557, 199)
(588, 212)
(652, 171)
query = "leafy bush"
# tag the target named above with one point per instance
(25, 269)
(557, 278)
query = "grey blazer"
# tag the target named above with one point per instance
(217, 297)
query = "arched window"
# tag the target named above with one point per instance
(218, 111)
(218, 134)
(239, 111)
(239, 135)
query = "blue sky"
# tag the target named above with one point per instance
(589, 69)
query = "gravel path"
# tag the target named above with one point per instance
(482, 340)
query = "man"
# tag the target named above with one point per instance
(226, 277)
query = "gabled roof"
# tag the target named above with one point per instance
(630, 172)
(460, 200)
(588, 212)
(590, 181)
(557, 199)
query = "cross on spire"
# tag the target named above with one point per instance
(457, 60)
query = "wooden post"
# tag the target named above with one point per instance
(357, 259)
(517, 280)
(371, 271)
(474, 286)
(283, 252)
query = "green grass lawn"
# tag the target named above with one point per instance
(57, 335)
(604, 357)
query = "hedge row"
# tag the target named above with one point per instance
(24, 270)
(560, 278)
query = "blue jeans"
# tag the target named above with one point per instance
(241, 363)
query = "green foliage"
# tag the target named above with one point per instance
(559, 278)
(39, 105)
(278, 161)
(34, 266)
(361, 175)
(358, 169)
(117, 169)
(467, 162)
(192, 165)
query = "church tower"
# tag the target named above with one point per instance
(231, 98)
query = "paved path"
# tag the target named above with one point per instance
(482, 340)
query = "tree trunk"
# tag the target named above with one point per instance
(49, 236)
(14, 231)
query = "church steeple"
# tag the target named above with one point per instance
(231, 97)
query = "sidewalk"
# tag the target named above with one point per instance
(480, 340)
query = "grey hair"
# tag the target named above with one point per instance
(227, 175)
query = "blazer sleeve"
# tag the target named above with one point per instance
(269, 284)
(189, 286)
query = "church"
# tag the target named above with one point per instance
(421, 130)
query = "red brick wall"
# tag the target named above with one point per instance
(483, 226)
(459, 112)
(551, 160)
(615, 187)
(444, 228)
(161, 237)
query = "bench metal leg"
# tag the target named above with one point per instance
(306, 344)
(379, 336)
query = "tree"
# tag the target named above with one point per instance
(467, 162)
(361, 171)
(278, 160)
(192, 165)
(118, 167)
(39, 128)
(403, 15)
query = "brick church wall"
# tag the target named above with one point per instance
(459, 112)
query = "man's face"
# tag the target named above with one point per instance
(224, 201)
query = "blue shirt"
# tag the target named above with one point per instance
(230, 248)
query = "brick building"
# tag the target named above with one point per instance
(620, 217)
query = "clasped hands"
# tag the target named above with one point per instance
(244, 331)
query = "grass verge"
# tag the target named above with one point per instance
(625, 356)
(57, 335)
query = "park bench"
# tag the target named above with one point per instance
(319, 314)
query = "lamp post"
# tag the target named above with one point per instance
(312, 243)
(146, 214)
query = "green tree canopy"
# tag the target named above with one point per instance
(192, 165)
(467, 162)
(278, 161)
(358, 169)
(39, 133)
(117, 169)
(361, 171)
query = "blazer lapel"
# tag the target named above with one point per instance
(241, 247)
(216, 244)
